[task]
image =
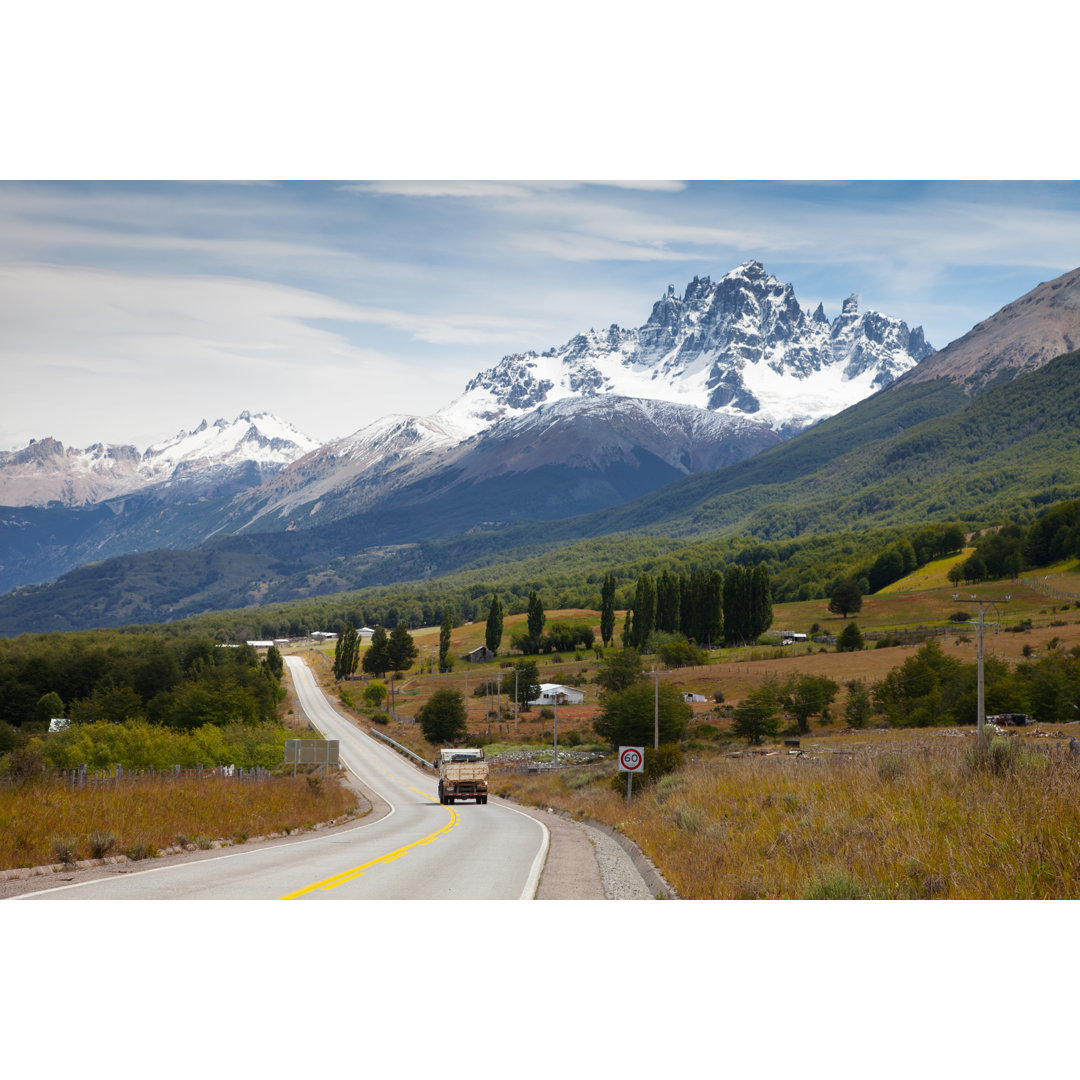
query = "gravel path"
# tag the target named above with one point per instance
(618, 873)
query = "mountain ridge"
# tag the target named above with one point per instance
(209, 459)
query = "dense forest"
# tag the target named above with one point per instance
(177, 682)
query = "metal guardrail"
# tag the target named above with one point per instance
(397, 746)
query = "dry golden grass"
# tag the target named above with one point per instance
(45, 823)
(902, 818)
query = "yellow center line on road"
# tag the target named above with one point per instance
(356, 871)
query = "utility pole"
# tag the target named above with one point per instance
(555, 756)
(980, 706)
(515, 699)
(656, 709)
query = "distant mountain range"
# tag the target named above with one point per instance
(540, 443)
(214, 459)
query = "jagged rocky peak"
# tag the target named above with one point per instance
(742, 344)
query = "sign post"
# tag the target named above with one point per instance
(631, 760)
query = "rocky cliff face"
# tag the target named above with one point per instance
(1021, 337)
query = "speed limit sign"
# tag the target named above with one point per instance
(631, 759)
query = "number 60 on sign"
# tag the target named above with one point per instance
(631, 759)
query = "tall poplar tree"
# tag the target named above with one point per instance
(607, 610)
(535, 618)
(736, 605)
(761, 609)
(444, 639)
(667, 603)
(644, 611)
(346, 652)
(494, 631)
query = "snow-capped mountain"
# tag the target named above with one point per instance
(742, 349)
(742, 345)
(213, 459)
(581, 444)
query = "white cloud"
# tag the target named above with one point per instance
(131, 347)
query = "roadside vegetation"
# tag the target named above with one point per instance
(138, 708)
(46, 821)
(887, 817)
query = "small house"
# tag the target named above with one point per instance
(557, 694)
(365, 632)
(481, 654)
(691, 698)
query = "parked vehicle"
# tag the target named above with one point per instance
(1011, 719)
(463, 774)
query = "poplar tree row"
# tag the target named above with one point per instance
(705, 606)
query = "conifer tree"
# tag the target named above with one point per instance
(377, 656)
(401, 651)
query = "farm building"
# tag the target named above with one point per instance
(479, 655)
(557, 694)
(690, 698)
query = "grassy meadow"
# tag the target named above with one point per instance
(886, 817)
(45, 823)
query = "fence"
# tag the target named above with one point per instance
(83, 776)
(1040, 585)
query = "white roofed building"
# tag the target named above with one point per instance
(557, 694)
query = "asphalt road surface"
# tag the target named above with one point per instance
(420, 850)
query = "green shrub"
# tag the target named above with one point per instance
(835, 885)
(997, 756)
(891, 766)
(688, 818)
(101, 843)
(64, 849)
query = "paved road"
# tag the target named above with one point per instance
(419, 850)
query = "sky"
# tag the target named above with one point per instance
(448, 195)
(130, 310)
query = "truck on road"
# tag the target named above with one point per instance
(463, 774)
